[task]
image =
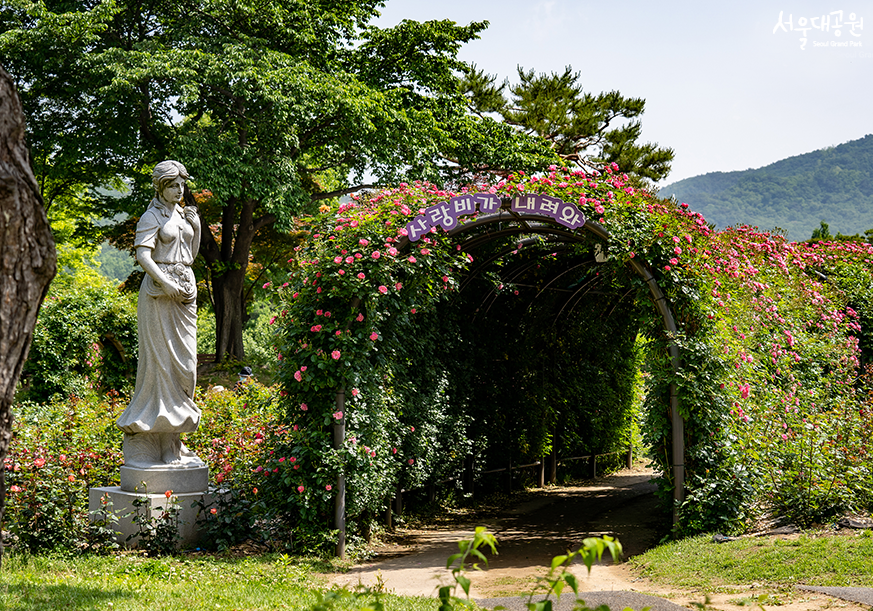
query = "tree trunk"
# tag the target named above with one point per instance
(27, 259)
(227, 295)
(228, 261)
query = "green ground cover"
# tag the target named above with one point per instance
(810, 559)
(134, 582)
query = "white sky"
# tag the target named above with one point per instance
(721, 88)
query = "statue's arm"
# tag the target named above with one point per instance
(193, 216)
(144, 258)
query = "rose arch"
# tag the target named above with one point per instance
(409, 310)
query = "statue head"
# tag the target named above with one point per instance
(167, 173)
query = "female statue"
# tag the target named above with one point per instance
(162, 407)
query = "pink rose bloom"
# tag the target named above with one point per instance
(361, 276)
(300, 488)
(328, 488)
(335, 355)
(303, 407)
(315, 328)
(298, 376)
(363, 241)
(376, 254)
(411, 259)
(355, 392)
(383, 289)
(392, 251)
(360, 317)
(337, 259)
(374, 336)
(398, 286)
(350, 260)
(412, 460)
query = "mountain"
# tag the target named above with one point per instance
(833, 184)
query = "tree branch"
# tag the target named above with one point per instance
(338, 193)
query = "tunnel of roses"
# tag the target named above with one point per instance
(407, 352)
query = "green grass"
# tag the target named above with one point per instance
(128, 582)
(699, 563)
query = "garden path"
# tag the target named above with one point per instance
(621, 505)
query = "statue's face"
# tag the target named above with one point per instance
(172, 193)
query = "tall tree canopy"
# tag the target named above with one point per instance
(582, 128)
(271, 106)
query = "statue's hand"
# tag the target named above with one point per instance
(191, 215)
(171, 290)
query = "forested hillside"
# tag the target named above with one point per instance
(833, 185)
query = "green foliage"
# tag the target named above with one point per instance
(158, 536)
(795, 194)
(279, 107)
(61, 449)
(757, 329)
(816, 558)
(579, 127)
(85, 337)
(58, 451)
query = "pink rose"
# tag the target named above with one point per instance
(383, 289)
(335, 355)
(374, 336)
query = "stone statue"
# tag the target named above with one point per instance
(162, 407)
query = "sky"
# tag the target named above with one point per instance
(728, 85)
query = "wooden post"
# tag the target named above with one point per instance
(630, 455)
(389, 522)
(541, 473)
(553, 457)
(431, 492)
(592, 463)
(469, 473)
(339, 506)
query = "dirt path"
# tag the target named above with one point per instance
(532, 533)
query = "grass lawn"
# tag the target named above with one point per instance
(810, 559)
(130, 582)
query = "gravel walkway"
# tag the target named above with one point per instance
(615, 600)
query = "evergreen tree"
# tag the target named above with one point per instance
(582, 128)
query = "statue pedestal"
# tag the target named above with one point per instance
(188, 486)
(155, 480)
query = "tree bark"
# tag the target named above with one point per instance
(27, 260)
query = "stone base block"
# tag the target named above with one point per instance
(158, 481)
(123, 507)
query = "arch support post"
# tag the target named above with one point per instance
(677, 423)
(339, 503)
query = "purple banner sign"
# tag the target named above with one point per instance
(446, 214)
(565, 213)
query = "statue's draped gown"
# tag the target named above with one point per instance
(163, 399)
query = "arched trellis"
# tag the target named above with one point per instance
(514, 223)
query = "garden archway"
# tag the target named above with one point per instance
(503, 223)
(751, 321)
